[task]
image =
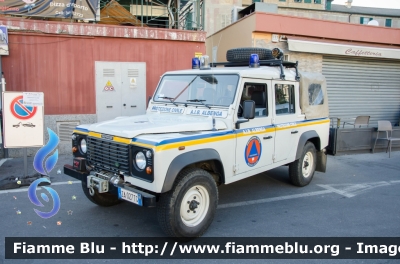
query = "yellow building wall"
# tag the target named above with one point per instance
(236, 35)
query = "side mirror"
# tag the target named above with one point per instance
(249, 112)
(249, 109)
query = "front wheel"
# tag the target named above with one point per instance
(189, 208)
(301, 171)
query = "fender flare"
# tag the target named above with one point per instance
(302, 142)
(185, 159)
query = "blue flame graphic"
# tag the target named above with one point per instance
(32, 196)
(44, 151)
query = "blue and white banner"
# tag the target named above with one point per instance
(3, 40)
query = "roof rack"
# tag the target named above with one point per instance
(273, 62)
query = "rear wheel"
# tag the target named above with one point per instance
(102, 199)
(301, 171)
(188, 209)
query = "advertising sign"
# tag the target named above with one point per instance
(73, 9)
(23, 125)
(3, 40)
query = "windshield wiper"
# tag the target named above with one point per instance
(169, 98)
(184, 89)
(199, 101)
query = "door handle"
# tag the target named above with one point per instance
(294, 132)
(133, 105)
(269, 137)
(109, 106)
(124, 104)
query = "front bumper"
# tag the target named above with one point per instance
(149, 200)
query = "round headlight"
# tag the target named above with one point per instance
(140, 160)
(83, 145)
(148, 154)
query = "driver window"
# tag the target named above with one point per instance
(258, 93)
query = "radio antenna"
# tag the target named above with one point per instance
(212, 44)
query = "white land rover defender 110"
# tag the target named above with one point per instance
(205, 127)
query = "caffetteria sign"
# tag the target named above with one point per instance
(73, 9)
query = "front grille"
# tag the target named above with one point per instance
(108, 155)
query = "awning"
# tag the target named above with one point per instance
(342, 48)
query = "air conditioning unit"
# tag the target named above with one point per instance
(235, 13)
(275, 38)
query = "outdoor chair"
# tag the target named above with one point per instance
(385, 126)
(360, 120)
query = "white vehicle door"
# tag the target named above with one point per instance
(285, 112)
(255, 139)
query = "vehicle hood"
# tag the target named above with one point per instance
(130, 127)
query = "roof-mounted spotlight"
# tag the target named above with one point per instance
(205, 62)
(277, 53)
(254, 61)
(195, 63)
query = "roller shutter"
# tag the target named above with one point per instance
(363, 86)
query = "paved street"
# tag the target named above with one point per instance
(358, 196)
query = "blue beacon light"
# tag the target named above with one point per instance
(195, 63)
(254, 61)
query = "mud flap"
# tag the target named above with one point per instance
(321, 161)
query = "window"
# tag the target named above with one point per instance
(282, 0)
(297, 1)
(225, 20)
(189, 20)
(216, 89)
(284, 99)
(388, 23)
(307, 1)
(328, 5)
(315, 94)
(365, 20)
(258, 93)
(317, 1)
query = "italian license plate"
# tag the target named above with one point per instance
(130, 196)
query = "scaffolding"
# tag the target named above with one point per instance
(173, 14)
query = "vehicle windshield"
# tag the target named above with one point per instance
(207, 90)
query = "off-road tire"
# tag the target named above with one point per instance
(301, 171)
(102, 199)
(243, 54)
(173, 211)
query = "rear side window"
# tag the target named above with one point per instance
(315, 94)
(284, 99)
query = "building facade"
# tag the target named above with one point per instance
(361, 63)
(87, 70)
(219, 14)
